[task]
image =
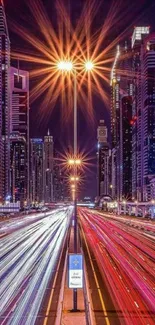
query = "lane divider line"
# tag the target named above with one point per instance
(96, 280)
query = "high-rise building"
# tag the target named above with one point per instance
(139, 34)
(4, 106)
(18, 170)
(125, 166)
(121, 116)
(19, 102)
(58, 180)
(48, 168)
(146, 119)
(103, 154)
(115, 109)
(36, 170)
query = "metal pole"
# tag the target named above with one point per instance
(75, 115)
(75, 173)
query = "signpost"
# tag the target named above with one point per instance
(75, 276)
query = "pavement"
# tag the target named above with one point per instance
(69, 317)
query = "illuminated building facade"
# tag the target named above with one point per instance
(121, 116)
(103, 155)
(139, 34)
(48, 168)
(36, 171)
(4, 107)
(58, 180)
(126, 148)
(19, 112)
(18, 169)
(146, 119)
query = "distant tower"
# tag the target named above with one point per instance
(36, 170)
(19, 100)
(18, 170)
(4, 106)
(58, 180)
(103, 160)
(48, 168)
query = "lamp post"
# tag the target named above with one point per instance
(67, 66)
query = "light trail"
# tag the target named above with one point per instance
(126, 259)
(29, 255)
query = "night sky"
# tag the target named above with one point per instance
(139, 12)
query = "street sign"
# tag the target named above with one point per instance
(75, 271)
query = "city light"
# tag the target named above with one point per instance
(71, 161)
(65, 66)
(74, 162)
(78, 161)
(89, 65)
(74, 178)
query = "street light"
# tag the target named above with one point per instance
(89, 65)
(73, 178)
(74, 161)
(67, 66)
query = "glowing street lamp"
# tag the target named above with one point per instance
(74, 178)
(71, 162)
(65, 66)
(74, 162)
(89, 65)
(78, 161)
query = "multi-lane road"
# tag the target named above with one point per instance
(30, 249)
(120, 263)
(119, 256)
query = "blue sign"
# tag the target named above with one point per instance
(75, 277)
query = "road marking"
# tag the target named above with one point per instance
(54, 282)
(96, 280)
(50, 299)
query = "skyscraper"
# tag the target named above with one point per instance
(121, 116)
(18, 170)
(4, 106)
(146, 119)
(138, 35)
(48, 168)
(36, 170)
(19, 102)
(115, 109)
(58, 180)
(103, 172)
(125, 166)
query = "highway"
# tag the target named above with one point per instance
(119, 253)
(30, 250)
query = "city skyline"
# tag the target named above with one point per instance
(99, 108)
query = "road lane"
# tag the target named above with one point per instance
(29, 254)
(125, 257)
